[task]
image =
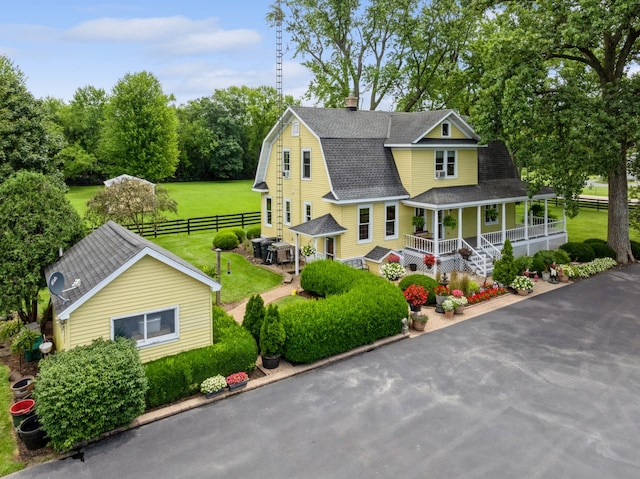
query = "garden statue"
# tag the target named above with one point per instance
(553, 273)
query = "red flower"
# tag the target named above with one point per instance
(393, 258)
(429, 260)
(415, 294)
(236, 378)
(441, 290)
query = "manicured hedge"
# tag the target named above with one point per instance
(359, 309)
(179, 376)
(603, 250)
(581, 252)
(226, 240)
(427, 282)
(89, 390)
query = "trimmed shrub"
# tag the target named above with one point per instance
(253, 316)
(504, 269)
(561, 256)
(537, 265)
(421, 280)
(180, 375)
(546, 257)
(581, 252)
(635, 249)
(595, 240)
(253, 232)
(603, 250)
(272, 333)
(368, 309)
(89, 390)
(325, 277)
(226, 240)
(240, 234)
(524, 262)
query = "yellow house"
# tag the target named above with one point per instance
(120, 284)
(358, 185)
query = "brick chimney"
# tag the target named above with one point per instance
(351, 103)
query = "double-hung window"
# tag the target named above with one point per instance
(445, 164)
(268, 210)
(307, 212)
(390, 221)
(364, 224)
(286, 163)
(287, 211)
(306, 164)
(151, 327)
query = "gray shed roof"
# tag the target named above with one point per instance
(103, 255)
(323, 226)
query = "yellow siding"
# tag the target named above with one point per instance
(454, 131)
(147, 285)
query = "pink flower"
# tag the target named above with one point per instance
(456, 293)
(236, 378)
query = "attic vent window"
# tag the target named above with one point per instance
(446, 131)
(295, 129)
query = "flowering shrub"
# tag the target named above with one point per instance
(441, 290)
(429, 260)
(415, 295)
(486, 295)
(307, 250)
(236, 378)
(392, 271)
(393, 258)
(457, 293)
(448, 304)
(596, 266)
(522, 282)
(213, 384)
(458, 300)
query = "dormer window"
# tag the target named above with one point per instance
(446, 130)
(295, 129)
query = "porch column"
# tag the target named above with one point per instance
(436, 231)
(546, 213)
(459, 228)
(503, 222)
(478, 226)
(297, 256)
(526, 224)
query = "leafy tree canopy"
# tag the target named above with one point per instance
(36, 220)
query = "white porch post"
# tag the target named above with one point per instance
(436, 232)
(526, 224)
(297, 256)
(478, 225)
(503, 222)
(546, 212)
(459, 228)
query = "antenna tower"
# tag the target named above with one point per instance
(280, 104)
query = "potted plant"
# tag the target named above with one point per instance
(459, 300)
(522, 285)
(307, 250)
(465, 252)
(272, 338)
(492, 214)
(213, 385)
(416, 296)
(442, 292)
(449, 221)
(392, 271)
(449, 307)
(429, 260)
(393, 258)
(25, 341)
(418, 222)
(237, 380)
(419, 321)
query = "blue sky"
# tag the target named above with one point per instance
(193, 47)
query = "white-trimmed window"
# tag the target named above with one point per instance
(295, 128)
(445, 129)
(268, 210)
(148, 328)
(307, 211)
(306, 164)
(287, 211)
(390, 220)
(445, 163)
(364, 224)
(286, 163)
(491, 214)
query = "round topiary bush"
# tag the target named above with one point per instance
(603, 250)
(240, 234)
(253, 232)
(561, 256)
(421, 280)
(595, 240)
(579, 251)
(635, 249)
(226, 240)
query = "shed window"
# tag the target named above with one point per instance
(147, 328)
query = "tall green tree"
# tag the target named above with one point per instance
(140, 136)
(36, 220)
(556, 86)
(26, 140)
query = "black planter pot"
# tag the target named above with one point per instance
(32, 434)
(270, 362)
(413, 266)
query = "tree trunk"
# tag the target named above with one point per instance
(618, 223)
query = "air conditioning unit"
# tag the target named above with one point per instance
(441, 174)
(286, 174)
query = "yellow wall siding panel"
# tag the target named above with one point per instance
(148, 285)
(454, 132)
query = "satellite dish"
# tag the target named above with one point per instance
(56, 283)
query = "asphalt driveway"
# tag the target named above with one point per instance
(546, 388)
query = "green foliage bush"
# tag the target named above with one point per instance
(603, 250)
(423, 280)
(272, 333)
(635, 249)
(89, 390)
(546, 257)
(253, 316)
(581, 252)
(179, 376)
(537, 265)
(366, 309)
(226, 240)
(561, 257)
(522, 263)
(325, 277)
(240, 234)
(505, 269)
(595, 240)
(253, 232)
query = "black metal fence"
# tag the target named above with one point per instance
(205, 223)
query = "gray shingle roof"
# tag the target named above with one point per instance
(101, 254)
(323, 226)
(495, 162)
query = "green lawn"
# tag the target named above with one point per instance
(8, 447)
(201, 198)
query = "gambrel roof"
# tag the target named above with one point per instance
(102, 256)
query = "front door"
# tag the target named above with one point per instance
(329, 248)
